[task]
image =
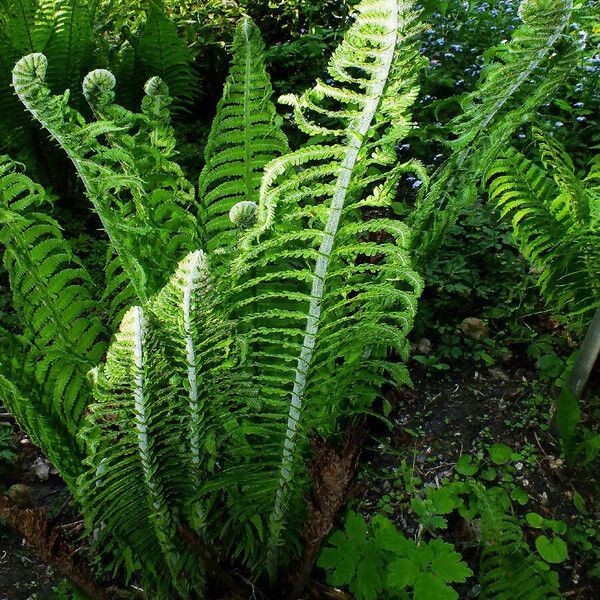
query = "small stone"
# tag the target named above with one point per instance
(19, 494)
(474, 328)
(41, 469)
(424, 346)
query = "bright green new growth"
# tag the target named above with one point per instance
(123, 160)
(245, 135)
(321, 303)
(555, 216)
(511, 89)
(148, 428)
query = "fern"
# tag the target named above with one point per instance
(511, 89)
(555, 225)
(245, 135)
(160, 373)
(17, 37)
(329, 303)
(54, 298)
(133, 211)
(199, 417)
(71, 42)
(508, 569)
(158, 50)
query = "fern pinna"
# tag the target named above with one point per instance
(554, 212)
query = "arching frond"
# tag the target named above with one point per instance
(529, 69)
(323, 290)
(139, 194)
(245, 135)
(132, 434)
(553, 225)
(32, 406)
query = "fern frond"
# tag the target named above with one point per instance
(552, 226)
(510, 90)
(139, 193)
(322, 291)
(71, 43)
(156, 426)
(132, 433)
(245, 135)
(159, 50)
(508, 569)
(32, 407)
(54, 297)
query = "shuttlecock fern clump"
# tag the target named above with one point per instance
(273, 309)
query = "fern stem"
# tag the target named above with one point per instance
(590, 349)
(192, 375)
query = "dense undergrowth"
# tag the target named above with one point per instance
(338, 345)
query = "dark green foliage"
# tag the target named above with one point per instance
(8, 447)
(73, 35)
(156, 49)
(62, 337)
(375, 560)
(508, 568)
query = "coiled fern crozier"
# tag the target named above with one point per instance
(555, 215)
